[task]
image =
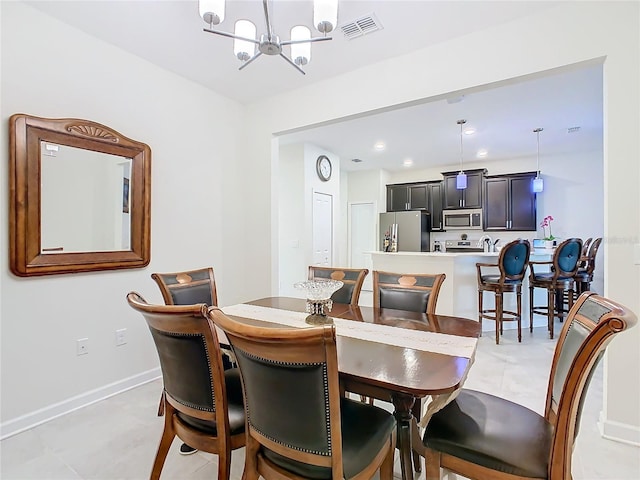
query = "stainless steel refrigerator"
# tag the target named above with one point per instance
(413, 229)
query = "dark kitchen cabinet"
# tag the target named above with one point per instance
(397, 198)
(509, 202)
(407, 196)
(435, 198)
(470, 197)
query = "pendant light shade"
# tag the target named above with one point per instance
(300, 52)
(325, 15)
(243, 49)
(538, 183)
(461, 178)
(212, 11)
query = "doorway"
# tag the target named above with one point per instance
(322, 229)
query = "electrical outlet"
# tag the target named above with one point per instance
(82, 346)
(121, 337)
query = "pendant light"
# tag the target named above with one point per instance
(538, 183)
(461, 178)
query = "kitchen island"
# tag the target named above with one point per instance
(459, 292)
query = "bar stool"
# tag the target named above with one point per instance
(560, 279)
(584, 275)
(512, 264)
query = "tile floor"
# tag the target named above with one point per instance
(117, 438)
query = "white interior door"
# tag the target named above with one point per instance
(362, 238)
(322, 229)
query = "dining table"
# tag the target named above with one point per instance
(391, 355)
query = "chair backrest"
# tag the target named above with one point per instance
(188, 288)
(291, 391)
(590, 326)
(190, 359)
(591, 256)
(353, 278)
(566, 258)
(584, 256)
(514, 259)
(415, 292)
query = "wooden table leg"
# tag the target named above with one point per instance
(402, 404)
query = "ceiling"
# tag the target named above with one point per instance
(169, 34)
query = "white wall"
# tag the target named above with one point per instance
(571, 33)
(52, 70)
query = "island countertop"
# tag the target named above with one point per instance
(459, 292)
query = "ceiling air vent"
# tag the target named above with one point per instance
(361, 26)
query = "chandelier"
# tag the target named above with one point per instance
(325, 18)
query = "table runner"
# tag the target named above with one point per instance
(416, 339)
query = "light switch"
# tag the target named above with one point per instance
(295, 243)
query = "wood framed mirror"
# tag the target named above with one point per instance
(80, 196)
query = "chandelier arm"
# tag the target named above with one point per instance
(309, 40)
(250, 60)
(265, 4)
(292, 64)
(232, 35)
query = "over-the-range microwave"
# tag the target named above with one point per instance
(462, 219)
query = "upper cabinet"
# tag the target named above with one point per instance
(407, 196)
(435, 197)
(510, 203)
(470, 197)
(418, 196)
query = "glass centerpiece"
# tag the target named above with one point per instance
(319, 301)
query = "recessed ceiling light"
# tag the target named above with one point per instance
(379, 146)
(469, 131)
(482, 153)
(407, 162)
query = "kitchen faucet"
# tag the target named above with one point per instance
(485, 238)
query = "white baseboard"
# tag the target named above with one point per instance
(38, 417)
(619, 432)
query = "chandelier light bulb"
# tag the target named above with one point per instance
(212, 11)
(300, 52)
(325, 15)
(243, 49)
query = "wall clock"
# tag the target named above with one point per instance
(323, 168)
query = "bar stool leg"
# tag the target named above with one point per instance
(551, 301)
(519, 310)
(498, 316)
(531, 307)
(480, 313)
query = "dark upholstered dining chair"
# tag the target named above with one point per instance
(298, 423)
(415, 292)
(188, 288)
(203, 402)
(353, 278)
(481, 436)
(511, 268)
(557, 281)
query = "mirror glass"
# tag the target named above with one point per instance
(85, 200)
(79, 197)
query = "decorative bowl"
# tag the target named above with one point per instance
(318, 293)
